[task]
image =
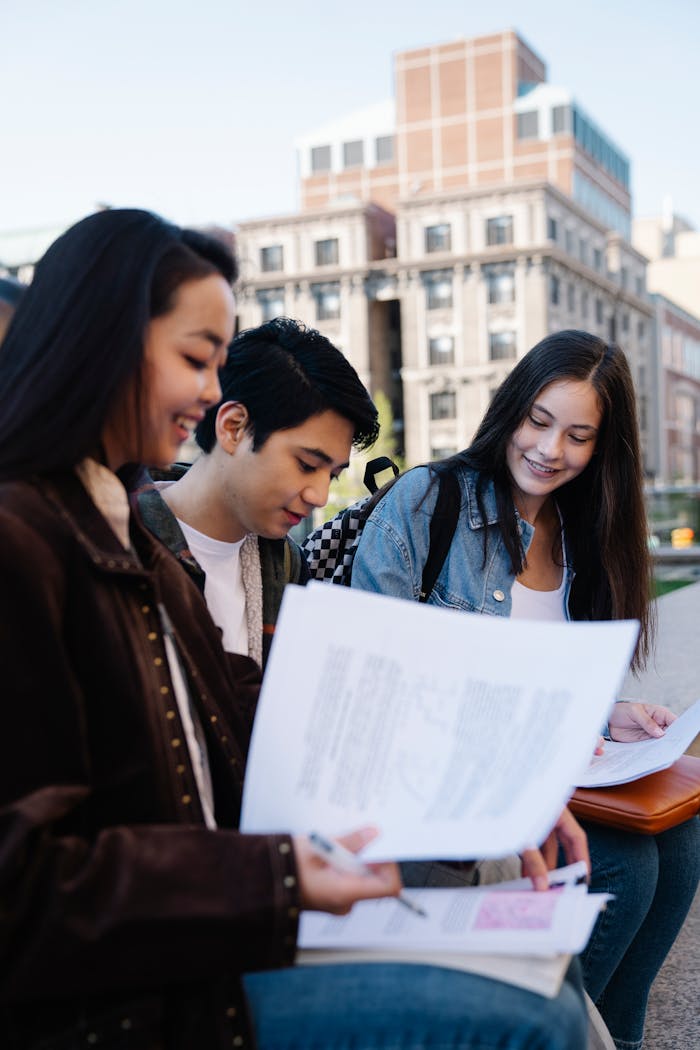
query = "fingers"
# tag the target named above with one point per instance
(357, 840)
(324, 888)
(661, 715)
(534, 867)
(573, 839)
(600, 746)
(645, 721)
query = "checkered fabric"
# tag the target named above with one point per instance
(330, 549)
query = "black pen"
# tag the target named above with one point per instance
(344, 860)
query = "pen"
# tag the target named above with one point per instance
(343, 860)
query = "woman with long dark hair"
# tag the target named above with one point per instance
(552, 526)
(133, 914)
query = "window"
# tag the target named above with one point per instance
(502, 346)
(599, 311)
(641, 330)
(569, 242)
(443, 405)
(528, 124)
(570, 297)
(584, 305)
(500, 282)
(438, 238)
(625, 322)
(639, 285)
(441, 350)
(624, 275)
(442, 452)
(583, 250)
(327, 298)
(597, 259)
(320, 158)
(353, 153)
(271, 302)
(554, 284)
(272, 258)
(384, 146)
(499, 230)
(561, 119)
(551, 228)
(327, 252)
(438, 289)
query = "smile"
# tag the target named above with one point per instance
(538, 468)
(186, 422)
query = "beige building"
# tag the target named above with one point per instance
(443, 233)
(477, 279)
(672, 247)
(677, 381)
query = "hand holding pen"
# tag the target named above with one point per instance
(324, 888)
(342, 859)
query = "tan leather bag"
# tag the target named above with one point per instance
(648, 805)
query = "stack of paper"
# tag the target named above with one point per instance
(507, 931)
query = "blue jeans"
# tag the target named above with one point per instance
(394, 1006)
(654, 879)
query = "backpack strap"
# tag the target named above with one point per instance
(442, 529)
(376, 466)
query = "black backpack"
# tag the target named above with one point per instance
(330, 549)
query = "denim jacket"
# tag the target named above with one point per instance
(394, 547)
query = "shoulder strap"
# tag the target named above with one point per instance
(296, 569)
(442, 529)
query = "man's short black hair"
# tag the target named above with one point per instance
(284, 372)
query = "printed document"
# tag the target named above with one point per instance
(457, 735)
(506, 931)
(621, 763)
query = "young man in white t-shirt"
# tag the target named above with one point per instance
(292, 408)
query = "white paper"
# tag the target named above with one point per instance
(535, 963)
(462, 920)
(621, 763)
(457, 735)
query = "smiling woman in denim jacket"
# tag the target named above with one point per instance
(552, 526)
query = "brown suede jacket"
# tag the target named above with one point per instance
(123, 920)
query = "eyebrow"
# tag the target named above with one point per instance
(211, 337)
(575, 426)
(320, 454)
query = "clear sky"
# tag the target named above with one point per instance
(191, 108)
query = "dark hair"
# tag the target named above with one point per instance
(603, 508)
(284, 372)
(76, 342)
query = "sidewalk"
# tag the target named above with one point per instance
(673, 679)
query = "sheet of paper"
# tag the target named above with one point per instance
(457, 735)
(621, 763)
(462, 920)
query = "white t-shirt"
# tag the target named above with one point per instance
(223, 588)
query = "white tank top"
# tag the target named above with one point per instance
(527, 604)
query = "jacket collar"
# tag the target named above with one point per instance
(476, 520)
(71, 501)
